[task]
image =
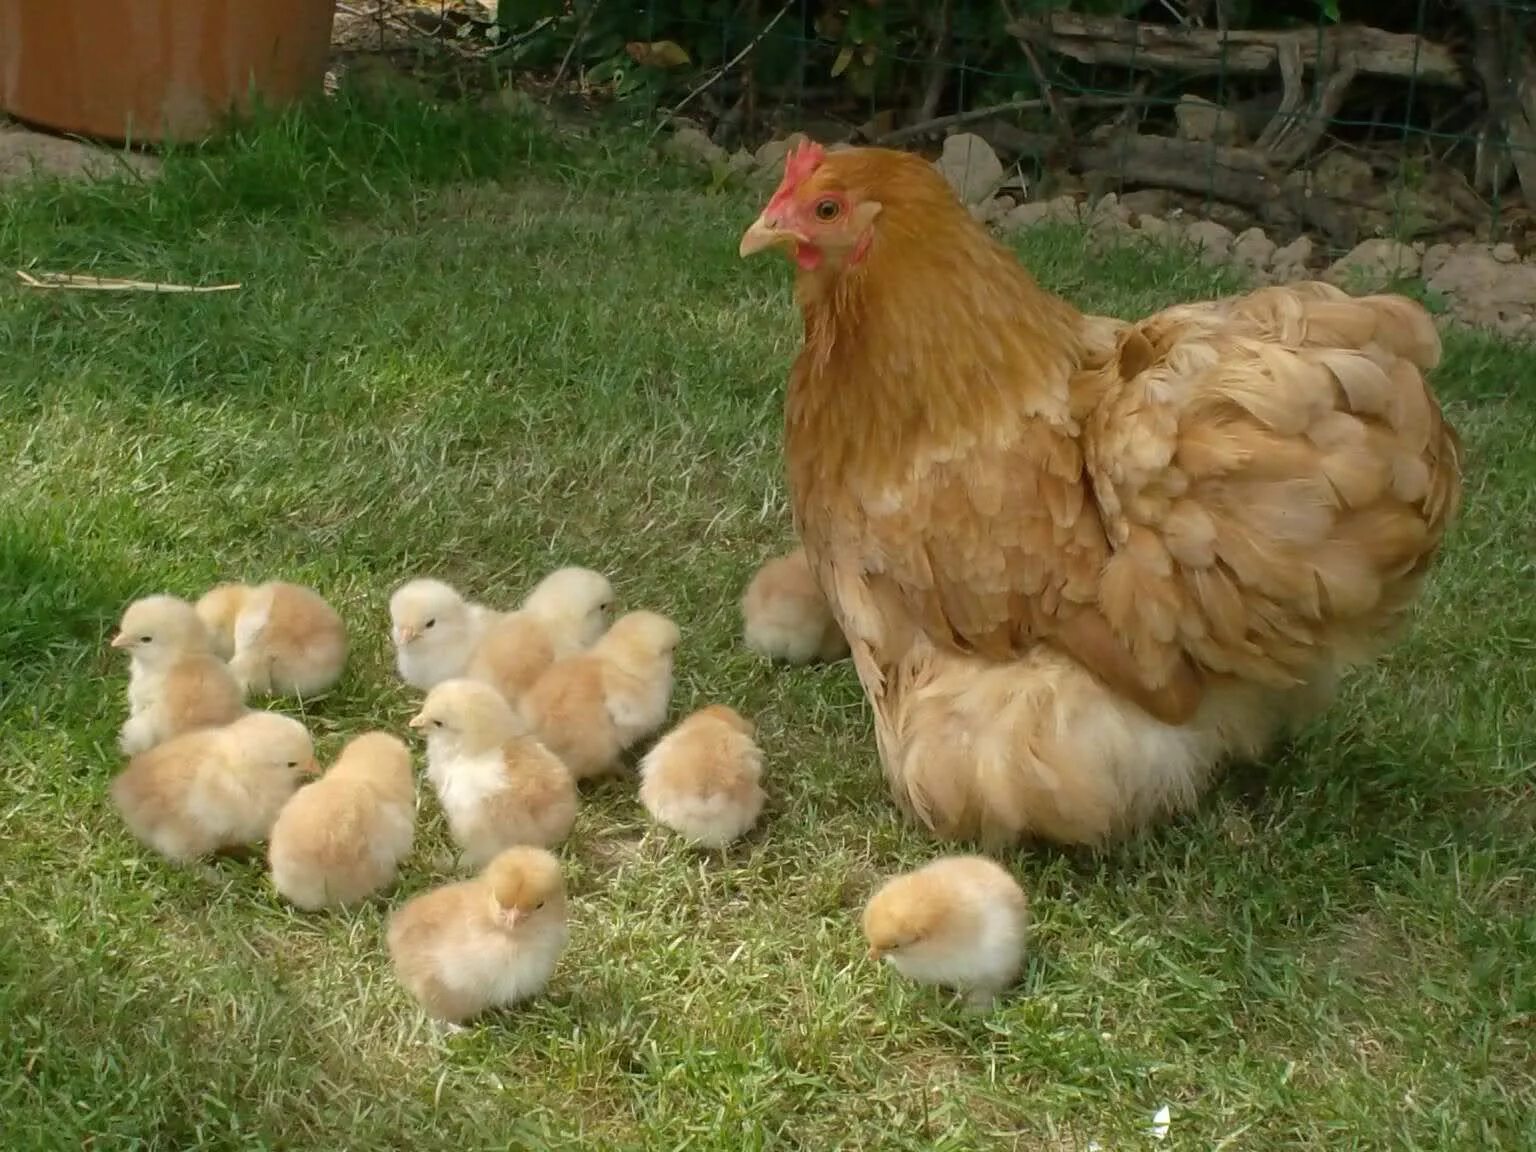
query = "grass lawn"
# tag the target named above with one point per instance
(473, 348)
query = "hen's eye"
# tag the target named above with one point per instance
(827, 210)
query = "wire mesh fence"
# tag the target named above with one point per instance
(1343, 119)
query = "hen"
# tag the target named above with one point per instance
(1082, 562)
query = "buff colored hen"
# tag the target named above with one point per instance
(1079, 562)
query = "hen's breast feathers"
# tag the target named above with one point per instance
(1274, 477)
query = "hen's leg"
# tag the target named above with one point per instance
(1039, 748)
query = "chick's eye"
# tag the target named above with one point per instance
(537, 906)
(293, 763)
(146, 639)
(437, 723)
(429, 623)
(827, 210)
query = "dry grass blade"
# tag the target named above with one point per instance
(111, 284)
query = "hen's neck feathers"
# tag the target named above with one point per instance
(937, 336)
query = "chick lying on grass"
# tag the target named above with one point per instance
(959, 922)
(280, 639)
(786, 617)
(175, 682)
(435, 631)
(703, 778)
(565, 613)
(214, 789)
(590, 708)
(497, 784)
(483, 943)
(341, 838)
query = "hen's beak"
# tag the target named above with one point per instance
(121, 640)
(417, 721)
(764, 234)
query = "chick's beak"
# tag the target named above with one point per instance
(417, 721)
(875, 952)
(765, 233)
(121, 640)
(405, 634)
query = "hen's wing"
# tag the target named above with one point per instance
(1274, 476)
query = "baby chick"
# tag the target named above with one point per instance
(590, 707)
(565, 612)
(216, 788)
(483, 943)
(435, 631)
(497, 784)
(340, 839)
(175, 682)
(279, 638)
(787, 617)
(702, 779)
(960, 922)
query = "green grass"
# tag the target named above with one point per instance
(475, 348)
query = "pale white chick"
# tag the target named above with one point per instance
(435, 631)
(786, 617)
(960, 922)
(703, 779)
(497, 784)
(589, 708)
(176, 683)
(484, 943)
(279, 638)
(341, 838)
(214, 789)
(566, 612)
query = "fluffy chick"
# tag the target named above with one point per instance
(484, 943)
(566, 612)
(214, 789)
(340, 839)
(786, 617)
(960, 922)
(435, 631)
(703, 778)
(279, 638)
(589, 708)
(175, 682)
(498, 785)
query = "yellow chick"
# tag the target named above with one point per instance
(703, 778)
(484, 943)
(280, 639)
(589, 708)
(498, 786)
(566, 612)
(216, 788)
(786, 617)
(435, 631)
(960, 922)
(342, 838)
(175, 682)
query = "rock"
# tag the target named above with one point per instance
(1147, 202)
(1214, 240)
(1156, 228)
(1026, 216)
(971, 167)
(771, 154)
(1198, 119)
(741, 161)
(1373, 264)
(1341, 175)
(1253, 249)
(24, 153)
(1483, 291)
(1292, 262)
(992, 209)
(1434, 259)
(1505, 254)
(692, 146)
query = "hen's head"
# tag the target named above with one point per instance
(831, 207)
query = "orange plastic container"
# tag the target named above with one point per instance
(154, 70)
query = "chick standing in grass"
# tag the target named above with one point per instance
(589, 708)
(340, 839)
(484, 943)
(214, 789)
(175, 682)
(279, 638)
(497, 784)
(785, 615)
(435, 631)
(703, 778)
(566, 612)
(960, 922)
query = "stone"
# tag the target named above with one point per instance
(1293, 261)
(1253, 249)
(1200, 120)
(693, 146)
(1341, 175)
(1147, 201)
(771, 154)
(1373, 264)
(971, 167)
(1214, 240)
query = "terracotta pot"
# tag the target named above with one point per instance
(151, 70)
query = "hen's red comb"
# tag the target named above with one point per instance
(801, 162)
